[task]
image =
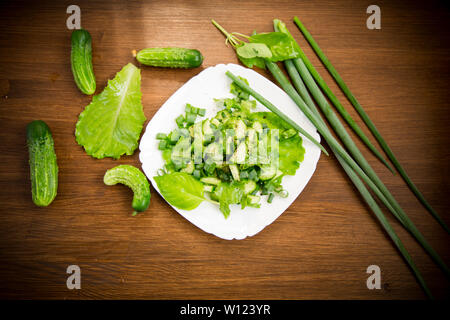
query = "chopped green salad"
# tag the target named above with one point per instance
(237, 157)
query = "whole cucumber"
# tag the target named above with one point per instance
(43, 165)
(170, 57)
(81, 60)
(133, 178)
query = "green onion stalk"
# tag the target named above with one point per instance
(361, 112)
(300, 86)
(375, 183)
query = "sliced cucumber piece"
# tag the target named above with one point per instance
(252, 146)
(207, 130)
(214, 152)
(215, 122)
(257, 126)
(267, 172)
(210, 180)
(240, 129)
(249, 186)
(253, 200)
(240, 154)
(189, 168)
(229, 146)
(234, 171)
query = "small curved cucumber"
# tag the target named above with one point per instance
(81, 60)
(133, 178)
(43, 166)
(170, 57)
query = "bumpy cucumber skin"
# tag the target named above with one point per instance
(133, 178)
(81, 60)
(43, 165)
(170, 57)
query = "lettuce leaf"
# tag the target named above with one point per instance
(291, 154)
(111, 124)
(291, 151)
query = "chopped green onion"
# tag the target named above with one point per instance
(270, 198)
(174, 136)
(210, 167)
(161, 136)
(196, 173)
(253, 175)
(162, 145)
(184, 132)
(283, 193)
(201, 112)
(189, 108)
(190, 118)
(199, 166)
(178, 165)
(180, 121)
(243, 175)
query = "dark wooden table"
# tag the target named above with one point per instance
(318, 249)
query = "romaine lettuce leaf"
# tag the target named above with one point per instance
(111, 124)
(291, 154)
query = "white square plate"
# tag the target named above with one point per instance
(212, 83)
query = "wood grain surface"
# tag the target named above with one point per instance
(318, 249)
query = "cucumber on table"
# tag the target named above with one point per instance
(170, 57)
(43, 165)
(81, 61)
(133, 178)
